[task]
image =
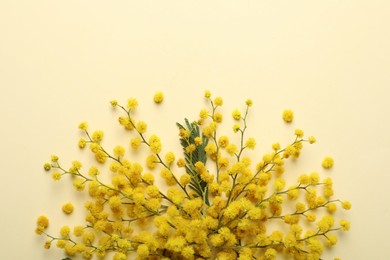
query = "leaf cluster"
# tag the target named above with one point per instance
(199, 155)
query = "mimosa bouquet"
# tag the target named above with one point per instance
(207, 200)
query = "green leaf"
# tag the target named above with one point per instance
(196, 184)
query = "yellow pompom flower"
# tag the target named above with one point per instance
(82, 143)
(191, 148)
(67, 208)
(97, 136)
(76, 165)
(61, 243)
(216, 240)
(148, 178)
(54, 158)
(83, 126)
(325, 223)
(218, 101)
(175, 195)
(152, 191)
(299, 133)
(304, 179)
(158, 97)
(169, 158)
(141, 127)
(114, 103)
(43, 222)
(209, 130)
(332, 239)
(155, 144)
(250, 143)
(204, 113)
(300, 207)
(198, 141)
(207, 94)
(218, 117)
(267, 158)
(270, 254)
(56, 176)
(223, 141)
(64, 232)
(231, 149)
(166, 174)
(331, 207)
(93, 171)
(88, 238)
(312, 139)
(314, 178)
(132, 103)
(181, 163)
(135, 143)
(223, 162)
(236, 128)
(47, 244)
(236, 114)
(120, 256)
(119, 151)
(311, 217)
(78, 231)
(115, 202)
(345, 225)
(279, 184)
(176, 243)
(188, 252)
(210, 148)
(327, 163)
(47, 166)
(185, 179)
(293, 193)
(79, 184)
(276, 146)
(142, 251)
(346, 205)
(288, 115)
(126, 122)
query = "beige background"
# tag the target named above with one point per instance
(62, 61)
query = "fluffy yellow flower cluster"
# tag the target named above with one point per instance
(218, 203)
